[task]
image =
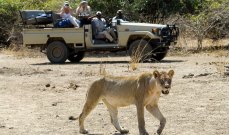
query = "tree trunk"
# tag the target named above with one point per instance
(200, 42)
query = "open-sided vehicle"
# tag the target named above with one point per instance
(146, 41)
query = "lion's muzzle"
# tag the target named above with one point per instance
(165, 91)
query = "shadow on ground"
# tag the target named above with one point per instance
(106, 62)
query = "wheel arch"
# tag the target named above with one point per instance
(52, 39)
(133, 38)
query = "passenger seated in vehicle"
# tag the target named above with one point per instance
(83, 11)
(100, 31)
(66, 13)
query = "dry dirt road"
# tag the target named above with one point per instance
(36, 98)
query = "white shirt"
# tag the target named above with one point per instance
(66, 16)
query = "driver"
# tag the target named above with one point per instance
(120, 16)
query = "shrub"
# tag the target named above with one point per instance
(8, 17)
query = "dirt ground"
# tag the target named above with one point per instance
(37, 98)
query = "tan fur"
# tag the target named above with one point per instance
(142, 91)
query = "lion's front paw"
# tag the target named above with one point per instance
(83, 131)
(159, 131)
(144, 133)
(124, 131)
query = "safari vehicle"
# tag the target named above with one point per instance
(61, 44)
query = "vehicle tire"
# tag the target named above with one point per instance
(76, 57)
(158, 56)
(140, 51)
(57, 52)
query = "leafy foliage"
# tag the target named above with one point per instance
(208, 12)
(8, 16)
(211, 21)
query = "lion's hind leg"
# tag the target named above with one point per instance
(154, 110)
(93, 98)
(114, 117)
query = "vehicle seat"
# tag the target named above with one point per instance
(36, 17)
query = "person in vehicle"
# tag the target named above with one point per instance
(66, 13)
(120, 15)
(100, 31)
(83, 11)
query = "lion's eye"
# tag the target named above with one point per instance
(162, 82)
(169, 81)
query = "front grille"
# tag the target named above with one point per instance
(169, 33)
(165, 32)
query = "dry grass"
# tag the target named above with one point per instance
(102, 69)
(21, 52)
(139, 56)
(187, 46)
(221, 65)
(191, 44)
(219, 49)
(134, 65)
(177, 51)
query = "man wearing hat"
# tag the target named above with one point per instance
(119, 15)
(99, 29)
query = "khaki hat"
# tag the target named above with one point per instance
(66, 3)
(98, 12)
(83, 1)
(119, 11)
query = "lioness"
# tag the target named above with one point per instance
(143, 91)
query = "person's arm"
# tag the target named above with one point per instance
(61, 12)
(94, 26)
(89, 10)
(104, 23)
(77, 11)
(71, 11)
(114, 18)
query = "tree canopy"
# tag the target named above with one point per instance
(135, 10)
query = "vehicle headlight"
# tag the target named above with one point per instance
(156, 31)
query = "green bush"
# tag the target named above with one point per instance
(135, 10)
(8, 17)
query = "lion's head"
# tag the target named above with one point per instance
(165, 80)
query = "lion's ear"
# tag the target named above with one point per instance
(171, 73)
(156, 74)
